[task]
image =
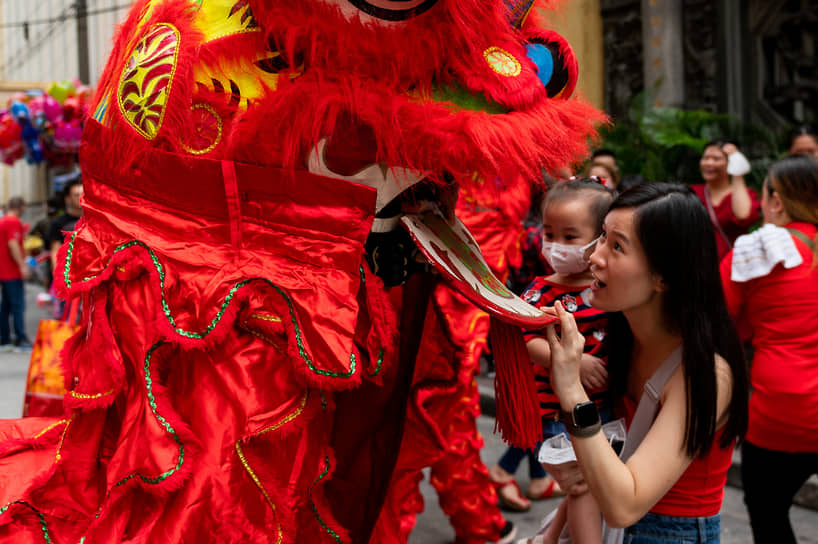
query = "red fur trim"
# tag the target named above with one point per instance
(113, 67)
(424, 136)
(330, 42)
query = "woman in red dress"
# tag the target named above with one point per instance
(732, 206)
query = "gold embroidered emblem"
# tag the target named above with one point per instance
(502, 62)
(146, 80)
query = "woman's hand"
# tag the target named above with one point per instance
(566, 355)
(569, 476)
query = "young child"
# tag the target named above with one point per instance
(573, 213)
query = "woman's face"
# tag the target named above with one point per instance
(804, 144)
(623, 279)
(713, 164)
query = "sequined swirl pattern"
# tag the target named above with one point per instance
(146, 80)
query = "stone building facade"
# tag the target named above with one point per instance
(754, 59)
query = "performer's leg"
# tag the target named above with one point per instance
(400, 510)
(464, 489)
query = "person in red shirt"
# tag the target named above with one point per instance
(779, 297)
(732, 207)
(13, 270)
(656, 273)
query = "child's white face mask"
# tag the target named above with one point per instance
(567, 260)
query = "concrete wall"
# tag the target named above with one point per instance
(580, 22)
(48, 52)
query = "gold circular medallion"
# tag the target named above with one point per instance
(502, 62)
(207, 127)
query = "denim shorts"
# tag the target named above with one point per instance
(659, 529)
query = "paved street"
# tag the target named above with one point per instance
(432, 526)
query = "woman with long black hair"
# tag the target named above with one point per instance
(656, 270)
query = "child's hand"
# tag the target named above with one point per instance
(592, 372)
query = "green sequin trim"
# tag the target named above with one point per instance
(43, 524)
(222, 309)
(326, 527)
(162, 421)
(323, 401)
(379, 364)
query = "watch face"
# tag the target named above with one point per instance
(586, 414)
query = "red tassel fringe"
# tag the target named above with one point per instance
(518, 417)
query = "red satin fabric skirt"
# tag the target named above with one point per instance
(226, 312)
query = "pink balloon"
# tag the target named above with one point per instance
(52, 109)
(67, 136)
(46, 106)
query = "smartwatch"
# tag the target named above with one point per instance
(583, 420)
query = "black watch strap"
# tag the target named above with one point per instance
(582, 421)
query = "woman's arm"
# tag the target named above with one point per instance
(740, 200)
(627, 491)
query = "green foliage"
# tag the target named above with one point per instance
(665, 144)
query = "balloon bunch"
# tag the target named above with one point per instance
(44, 126)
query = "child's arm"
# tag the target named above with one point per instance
(539, 351)
(592, 372)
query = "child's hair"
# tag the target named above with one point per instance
(599, 197)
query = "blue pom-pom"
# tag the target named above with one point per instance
(541, 56)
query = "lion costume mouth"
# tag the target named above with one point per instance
(440, 237)
(393, 10)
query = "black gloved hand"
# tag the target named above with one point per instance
(391, 255)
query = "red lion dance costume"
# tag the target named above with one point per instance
(243, 373)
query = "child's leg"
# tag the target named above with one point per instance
(508, 464)
(541, 485)
(584, 519)
(552, 534)
(502, 476)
